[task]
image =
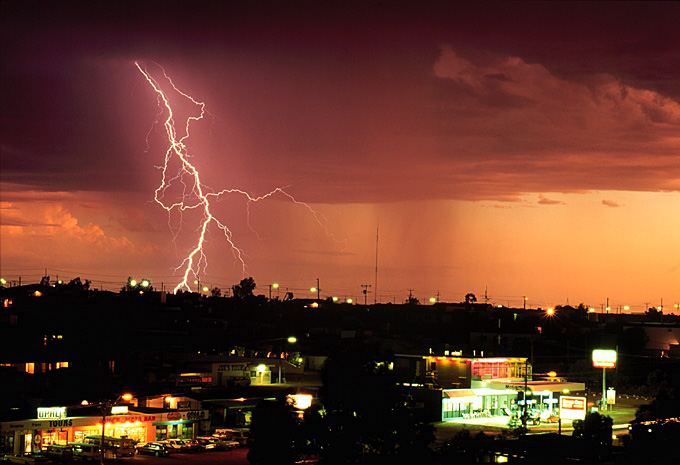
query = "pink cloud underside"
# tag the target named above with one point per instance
(543, 200)
(610, 203)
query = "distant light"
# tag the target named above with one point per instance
(628, 308)
(37, 293)
(84, 402)
(550, 311)
(301, 401)
(3, 281)
(499, 306)
(433, 300)
(608, 309)
(261, 368)
(349, 301)
(206, 288)
(591, 310)
(127, 397)
(145, 283)
(335, 299)
(552, 374)
(312, 289)
(315, 305)
(292, 339)
(275, 285)
(195, 281)
(133, 282)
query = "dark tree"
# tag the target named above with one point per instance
(596, 427)
(654, 314)
(244, 289)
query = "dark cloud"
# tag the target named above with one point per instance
(351, 102)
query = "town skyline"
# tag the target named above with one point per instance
(511, 149)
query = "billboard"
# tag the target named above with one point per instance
(573, 408)
(604, 358)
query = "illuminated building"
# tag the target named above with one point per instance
(163, 417)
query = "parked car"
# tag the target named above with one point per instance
(85, 452)
(206, 444)
(177, 444)
(235, 434)
(153, 448)
(224, 444)
(193, 445)
(59, 453)
(27, 458)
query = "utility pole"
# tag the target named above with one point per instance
(365, 292)
(318, 290)
(410, 295)
(375, 289)
(526, 375)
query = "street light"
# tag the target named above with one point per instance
(104, 406)
(273, 286)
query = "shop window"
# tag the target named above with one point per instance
(30, 368)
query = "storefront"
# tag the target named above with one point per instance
(182, 424)
(476, 403)
(32, 435)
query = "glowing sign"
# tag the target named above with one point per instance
(604, 358)
(119, 409)
(301, 401)
(573, 408)
(53, 413)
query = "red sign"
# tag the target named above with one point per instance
(604, 358)
(174, 416)
(572, 408)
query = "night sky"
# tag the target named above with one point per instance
(518, 149)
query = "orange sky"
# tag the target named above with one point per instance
(532, 150)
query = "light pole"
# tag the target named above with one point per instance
(317, 289)
(105, 405)
(273, 286)
(604, 359)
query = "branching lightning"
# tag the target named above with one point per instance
(195, 195)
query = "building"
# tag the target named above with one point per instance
(164, 417)
(478, 387)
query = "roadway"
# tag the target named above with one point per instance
(230, 457)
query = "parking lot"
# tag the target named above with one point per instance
(231, 457)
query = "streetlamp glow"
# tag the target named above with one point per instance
(292, 339)
(433, 300)
(133, 282)
(312, 289)
(349, 301)
(145, 283)
(550, 311)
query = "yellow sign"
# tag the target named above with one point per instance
(51, 413)
(604, 358)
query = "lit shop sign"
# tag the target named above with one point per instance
(604, 358)
(572, 408)
(51, 413)
(119, 409)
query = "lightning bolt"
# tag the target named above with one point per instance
(195, 195)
